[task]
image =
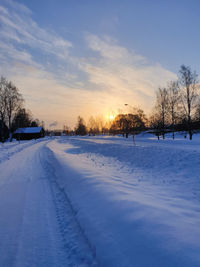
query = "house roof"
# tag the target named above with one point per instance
(28, 130)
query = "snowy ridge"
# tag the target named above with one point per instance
(171, 162)
(127, 205)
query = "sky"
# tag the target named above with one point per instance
(87, 57)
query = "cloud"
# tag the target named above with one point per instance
(110, 50)
(123, 72)
(17, 26)
(58, 86)
(18, 7)
(51, 101)
(53, 124)
(9, 52)
(124, 75)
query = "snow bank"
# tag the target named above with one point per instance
(138, 205)
(8, 149)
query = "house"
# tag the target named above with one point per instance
(28, 133)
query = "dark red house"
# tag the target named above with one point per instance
(28, 133)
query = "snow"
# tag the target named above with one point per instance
(29, 130)
(88, 201)
(32, 215)
(8, 149)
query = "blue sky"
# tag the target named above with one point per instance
(91, 57)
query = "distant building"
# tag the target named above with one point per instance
(28, 133)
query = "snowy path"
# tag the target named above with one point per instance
(8, 149)
(74, 201)
(37, 225)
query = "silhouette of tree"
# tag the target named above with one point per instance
(13, 102)
(3, 84)
(173, 96)
(129, 123)
(189, 93)
(161, 108)
(22, 119)
(80, 128)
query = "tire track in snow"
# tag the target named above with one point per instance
(78, 249)
(37, 225)
(39, 241)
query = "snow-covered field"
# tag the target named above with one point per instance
(100, 201)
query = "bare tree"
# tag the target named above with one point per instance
(100, 123)
(3, 84)
(13, 102)
(197, 113)
(162, 107)
(3, 127)
(66, 130)
(10, 102)
(92, 126)
(189, 93)
(173, 102)
(95, 125)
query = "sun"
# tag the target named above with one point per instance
(111, 117)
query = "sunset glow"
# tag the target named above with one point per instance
(111, 117)
(66, 67)
(99, 133)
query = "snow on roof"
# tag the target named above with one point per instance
(29, 130)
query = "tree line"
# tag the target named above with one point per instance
(13, 115)
(177, 108)
(125, 124)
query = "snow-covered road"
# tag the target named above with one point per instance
(102, 201)
(37, 224)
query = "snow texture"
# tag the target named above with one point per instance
(100, 201)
